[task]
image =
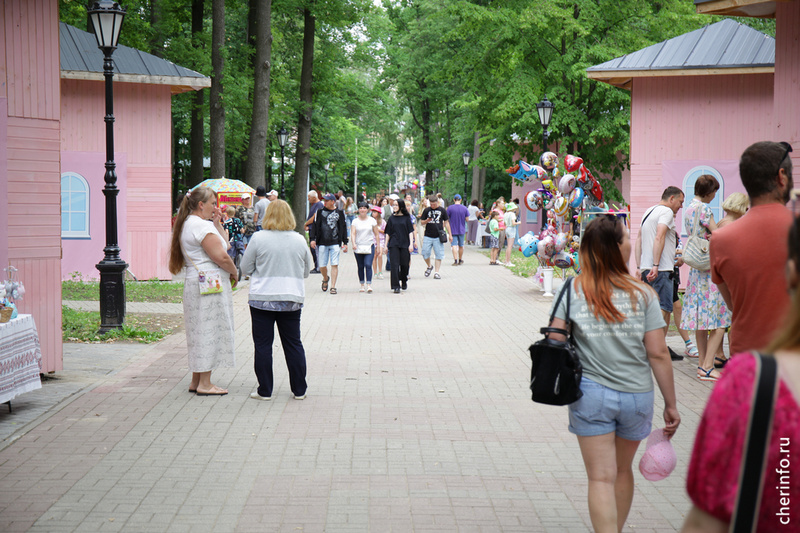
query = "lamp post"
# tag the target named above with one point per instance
(435, 180)
(107, 17)
(465, 157)
(327, 168)
(545, 109)
(283, 135)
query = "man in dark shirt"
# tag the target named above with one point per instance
(329, 237)
(435, 221)
(314, 205)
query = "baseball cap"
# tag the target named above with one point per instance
(376, 209)
(261, 191)
(393, 197)
(457, 197)
(273, 192)
(659, 459)
(329, 196)
(246, 195)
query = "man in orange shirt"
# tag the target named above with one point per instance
(748, 256)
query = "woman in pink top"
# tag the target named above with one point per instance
(377, 261)
(713, 477)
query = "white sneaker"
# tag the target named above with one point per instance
(301, 397)
(380, 275)
(256, 396)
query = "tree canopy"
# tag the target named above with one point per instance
(405, 85)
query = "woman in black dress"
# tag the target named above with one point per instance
(399, 244)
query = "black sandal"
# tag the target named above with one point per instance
(325, 284)
(333, 290)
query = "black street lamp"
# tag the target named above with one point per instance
(545, 109)
(327, 168)
(283, 136)
(465, 157)
(107, 17)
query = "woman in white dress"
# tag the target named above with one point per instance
(199, 243)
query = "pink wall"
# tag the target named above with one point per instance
(142, 134)
(693, 118)
(29, 77)
(81, 255)
(3, 172)
(787, 77)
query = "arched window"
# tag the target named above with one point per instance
(688, 190)
(74, 206)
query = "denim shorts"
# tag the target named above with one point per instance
(436, 244)
(326, 254)
(602, 410)
(458, 240)
(663, 287)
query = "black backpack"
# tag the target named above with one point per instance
(556, 369)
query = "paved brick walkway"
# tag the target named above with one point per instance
(418, 418)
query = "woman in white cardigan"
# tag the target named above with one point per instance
(277, 261)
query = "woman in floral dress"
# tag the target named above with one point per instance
(704, 310)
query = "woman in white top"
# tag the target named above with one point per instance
(364, 236)
(472, 222)
(199, 243)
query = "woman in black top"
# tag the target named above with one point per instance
(399, 244)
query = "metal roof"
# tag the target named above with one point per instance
(82, 59)
(724, 45)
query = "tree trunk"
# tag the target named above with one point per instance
(255, 164)
(302, 154)
(217, 107)
(156, 38)
(197, 138)
(477, 187)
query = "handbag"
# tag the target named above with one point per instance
(556, 369)
(210, 281)
(442, 235)
(754, 454)
(695, 254)
(363, 249)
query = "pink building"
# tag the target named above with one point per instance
(143, 87)
(52, 151)
(30, 189)
(698, 100)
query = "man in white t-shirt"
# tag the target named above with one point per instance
(655, 247)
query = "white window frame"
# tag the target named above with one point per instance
(69, 234)
(689, 180)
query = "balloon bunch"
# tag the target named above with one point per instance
(415, 184)
(559, 197)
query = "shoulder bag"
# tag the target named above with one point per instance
(556, 369)
(754, 453)
(695, 254)
(210, 281)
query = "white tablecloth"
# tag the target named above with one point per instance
(20, 358)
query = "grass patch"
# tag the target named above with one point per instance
(135, 291)
(82, 326)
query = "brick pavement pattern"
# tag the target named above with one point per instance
(418, 418)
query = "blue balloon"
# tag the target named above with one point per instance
(576, 197)
(529, 244)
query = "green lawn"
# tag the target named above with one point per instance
(135, 291)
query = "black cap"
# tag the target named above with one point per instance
(261, 191)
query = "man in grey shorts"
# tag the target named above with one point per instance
(655, 248)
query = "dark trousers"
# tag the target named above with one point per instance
(314, 257)
(399, 258)
(263, 334)
(364, 261)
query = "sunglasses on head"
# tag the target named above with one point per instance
(788, 148)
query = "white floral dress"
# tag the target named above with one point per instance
(208, 319)
(703, 306)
